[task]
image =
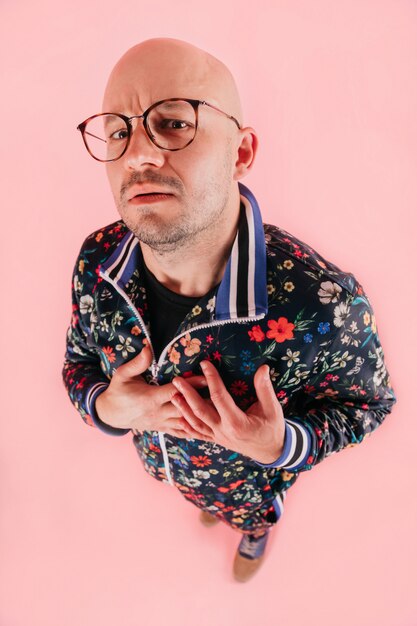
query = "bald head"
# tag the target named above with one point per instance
(169, 68)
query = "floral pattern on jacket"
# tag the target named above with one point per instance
(316, 329)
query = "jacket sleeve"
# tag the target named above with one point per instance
(82, 374)
(348, 395)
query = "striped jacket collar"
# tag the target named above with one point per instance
(242, 292)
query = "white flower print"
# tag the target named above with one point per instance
(341, 361)
(192, 482)
(78, 286)
(381, 370)
(292, 357)
(104, 325)
(273, 374)
(301, 375)
(211, 304)
(357, 367)
(202, 474)
(125, 346)
(78, 350)
(329, 292)
(117, 318)
(86, 304)
(340, 314)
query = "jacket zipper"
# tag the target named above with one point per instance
(156, 365)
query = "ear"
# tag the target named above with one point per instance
(247, 149)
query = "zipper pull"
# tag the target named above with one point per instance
(155, 372)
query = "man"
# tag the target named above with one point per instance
(235, 354)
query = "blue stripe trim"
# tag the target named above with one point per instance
(258, 249)
(296, 436)
(116, 252)
(132, 263)
(92, 395)
(261, 294)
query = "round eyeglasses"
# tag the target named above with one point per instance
(170, 124)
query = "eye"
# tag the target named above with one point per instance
(118, 134)
(173, 124)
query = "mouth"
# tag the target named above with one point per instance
(147, 198)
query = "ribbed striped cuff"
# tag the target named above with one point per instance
(297, 447)
(92, 396)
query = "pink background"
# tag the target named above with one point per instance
(87, 537)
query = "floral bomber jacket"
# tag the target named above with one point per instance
(280, 303)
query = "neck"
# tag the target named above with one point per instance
(195, 267)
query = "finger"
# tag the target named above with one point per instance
(182, 425)
(164, 393)
(168, 410)
(265, 392)
(219, 395)
(194, 404)
(197, 381)
(193, 420)
(182, 434)
(135, 366)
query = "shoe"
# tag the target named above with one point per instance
(249, 556)
(207, 519)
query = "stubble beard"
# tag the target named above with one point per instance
(198, 223)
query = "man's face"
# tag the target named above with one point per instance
(198, 179)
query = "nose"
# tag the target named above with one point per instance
(141, 152)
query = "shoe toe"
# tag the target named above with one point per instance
(244, 569)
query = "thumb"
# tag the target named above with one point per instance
(266, 394)
(137, 365)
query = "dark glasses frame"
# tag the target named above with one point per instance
(128, 121)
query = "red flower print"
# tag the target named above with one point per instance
(281, 394)
(281, 329)
(217, 355)
(238, 388)
(209, 339)
(256, 334)
(109, 352)
(187, 374)
(136, 330)
(309, 388)
(200, 461)
(236, 484)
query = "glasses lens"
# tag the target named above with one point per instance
(172, 124)
(106, 136)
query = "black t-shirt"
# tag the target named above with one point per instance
(167, 310)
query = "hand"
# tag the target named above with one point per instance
(259, 433)
(129, 402)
